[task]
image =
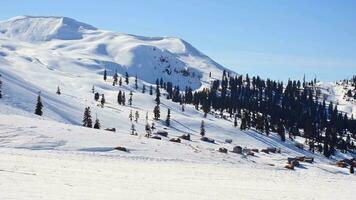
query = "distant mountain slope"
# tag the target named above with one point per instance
(66, 45)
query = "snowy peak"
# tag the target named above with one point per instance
(40, 28)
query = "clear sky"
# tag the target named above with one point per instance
(276, 39)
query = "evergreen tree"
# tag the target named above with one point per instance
(105, 75)
(352, 169)
(102, 102)
(126, 78)
(281, 131)
(87, 122)
(115, 78)
(168, 119)
(136, 85)
(143, 89)
(119, 97)
(158, 94)
(120, 81)
(202, 128)
(39, 106)
(137, 115)
(58, 91)
(151, 90)
(97, 124)
(93, 89)
(123, 100)
(96, 96)
(133, 129)
(130, 99)
(131, 115)
(235, 121)
(156, 112)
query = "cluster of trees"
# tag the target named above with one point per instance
(87, 120)
(292, 109)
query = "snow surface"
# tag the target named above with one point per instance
(51, 157)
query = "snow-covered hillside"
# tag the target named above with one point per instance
(38, 54)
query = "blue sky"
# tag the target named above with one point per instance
(276, 39)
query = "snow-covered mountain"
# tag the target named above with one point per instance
(64, 44)
(38, 54)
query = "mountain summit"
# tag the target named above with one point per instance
(41, 28)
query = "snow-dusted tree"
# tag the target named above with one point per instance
(87, 121)
(115, 77)
(136, 85)
(137, 115)
(131, 115)
(202, 128)
(58, 91)
(96, 96)
(123, 100)
(105, 75)
(93, 89)
(151, 90)
(352, 169)
(158, 94)
(126, 78)
(133, 129)
(281, 131)
(102, 100)
(119, 97)
(130, 99)
(120, 81)
(168, 118)
(143, 88)
(235, 121)
(156, 112)
(39, 106)
(97, 124)
(146, 117)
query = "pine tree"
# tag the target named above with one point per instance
(133, 129)
(235, 121)
(115, 77)
(97, 124)
(158, 94)
(143, 88)
(123, 100)
(202, 128)
(93, 89)
(105, 75)
(156, 112)
(39, 106)
(130, 99)
(137, 115)
(131, 115)
(120, 81)
(168, 119)
(151, 90)
(146, 117)
(126, 78)
(119, 97)
(58, 91)
(136, 85)
(281, 131)
(102, 100)
(96, 96)
(352, 169)
(87, 122)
